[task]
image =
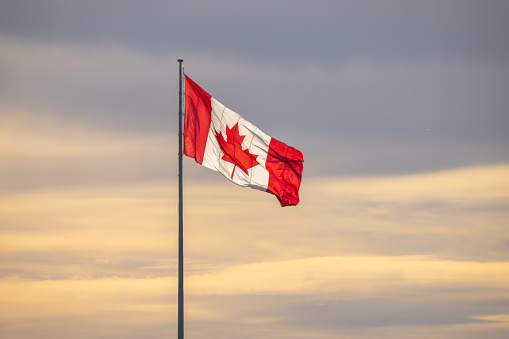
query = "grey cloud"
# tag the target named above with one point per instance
(105, 85)
(422, 309)
(283, 31)
(62, 265)
(383, 116)
(429, 311)
(33, 173)
(112, 327)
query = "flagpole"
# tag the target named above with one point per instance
(181, 218)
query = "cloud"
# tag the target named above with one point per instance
(349, 118)
(39, 150)
(436, 213)
(25, 133)
(338, 294)
(359, 256)
(350, 277)
(285, 32)
(102, 84)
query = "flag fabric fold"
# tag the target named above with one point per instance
(220, 139)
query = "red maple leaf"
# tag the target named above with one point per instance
(232, 149)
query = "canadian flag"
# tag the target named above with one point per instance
(220, 139)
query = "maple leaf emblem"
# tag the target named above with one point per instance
(232, 149)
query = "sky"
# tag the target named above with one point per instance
(399, 107)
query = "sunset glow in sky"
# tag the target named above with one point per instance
(399, 107)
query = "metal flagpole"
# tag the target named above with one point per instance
(181, 218)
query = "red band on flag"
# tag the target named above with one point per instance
(197, 120)
(285, 167)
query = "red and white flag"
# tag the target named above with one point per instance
(220, 139)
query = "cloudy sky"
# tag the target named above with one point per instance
(401, 110)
